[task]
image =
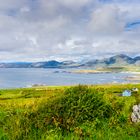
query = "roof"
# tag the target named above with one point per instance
(126, 93)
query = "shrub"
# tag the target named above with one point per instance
(78, 105)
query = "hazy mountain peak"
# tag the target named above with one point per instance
(116, 60)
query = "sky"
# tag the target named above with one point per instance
(42, 30)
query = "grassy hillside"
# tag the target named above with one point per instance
(68, 113)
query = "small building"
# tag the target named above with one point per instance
(127, 93)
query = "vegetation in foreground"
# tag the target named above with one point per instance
(68, 113)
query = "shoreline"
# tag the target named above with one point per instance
(68, 86)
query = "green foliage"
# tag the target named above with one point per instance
(80, 112)
(79, 104)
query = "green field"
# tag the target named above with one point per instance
(68, 113)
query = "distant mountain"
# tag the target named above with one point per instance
(120, 59)
(48, 64)
(117, 60)
(137, 58)
(16, 65)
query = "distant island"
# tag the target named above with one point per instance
(114, 61)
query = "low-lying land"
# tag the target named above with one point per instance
(109, 70)
(125, 69)
(70, 113)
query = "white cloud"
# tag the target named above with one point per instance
(12, 4)
(74, 4)
(24, 9)
(57, 29)
(107, 20)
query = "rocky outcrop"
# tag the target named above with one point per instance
(135, 116)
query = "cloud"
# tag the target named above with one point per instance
(107, 20)
(73, 3)
(36, 30)
(12, 4)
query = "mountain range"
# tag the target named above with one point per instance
(117, 60)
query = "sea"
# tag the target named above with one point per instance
(28, 77)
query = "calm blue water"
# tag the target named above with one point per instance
(15, 78)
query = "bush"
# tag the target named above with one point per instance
(78, 105)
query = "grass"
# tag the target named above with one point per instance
(68, 113)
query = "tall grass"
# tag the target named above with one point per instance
(80, 112)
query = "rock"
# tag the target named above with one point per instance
(135, 90)
(135, 116)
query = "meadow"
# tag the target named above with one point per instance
(80, 112)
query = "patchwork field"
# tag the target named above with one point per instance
(70, 113)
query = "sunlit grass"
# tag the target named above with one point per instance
(81, 112)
